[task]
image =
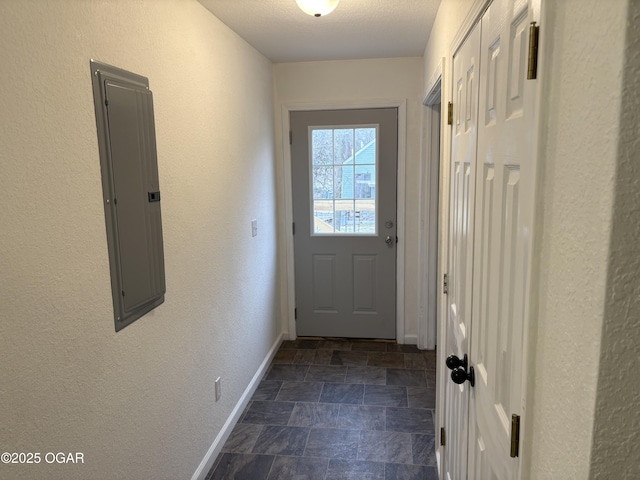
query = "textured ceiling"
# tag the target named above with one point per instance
(356, 29)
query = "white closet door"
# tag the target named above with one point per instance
(463, 161)
(505, 194)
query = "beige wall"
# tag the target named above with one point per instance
(578, 265)
(139, 404)
(616, 432)
(581, 74)
(359, 81)
(616, 438)
(450, 16)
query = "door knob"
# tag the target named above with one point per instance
(459, 376)
(389, 240)
(454, 362)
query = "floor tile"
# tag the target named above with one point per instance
(423, 449)
(285, 356)
(385, 395)
(323, 357)
(242, 438)
(243, 466)
(333, 443)
(244, 412)
(421, 397)
(299, 392)
(302, 343)
(369, 346)
(391, 360)
(409, 472)
(430, 357)
(385, 447)
(267, 390)
(351, 393)
(304, 357)
(349, 358)
(276, 440)
(354, 470)
(361, 417)
(298, 468)
(294, 373)
(415, 361)
(431, 378)
(326, 373)
(214, 466)
(409, 420)
(269, 413)
(317, 415)
(396, 347)
(335, 345)
(406, 378)
(312, 357)
(368, 375)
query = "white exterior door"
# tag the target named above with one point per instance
(343, 165)
(463, 166)
(505, 194)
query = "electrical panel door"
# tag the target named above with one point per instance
(126, 134)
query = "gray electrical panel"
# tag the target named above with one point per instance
(127, 143)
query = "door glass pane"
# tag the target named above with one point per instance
(322, 151)
(345, 216)
(365, 216)
(344, 165)
(322, 182)
(365, 181)
(323, 216)
(366, 145)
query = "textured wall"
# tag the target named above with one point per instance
(138, 404)
(616, 433)
(450, 16)
(357, 81)
(581, 74)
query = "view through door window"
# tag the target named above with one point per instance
(343, 176)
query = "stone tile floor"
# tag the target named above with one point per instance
(337, 410)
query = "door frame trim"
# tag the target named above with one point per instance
(428, 245)
(289, 294)
(436, 90)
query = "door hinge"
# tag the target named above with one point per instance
(295, 313)
(445, 284)
(450, 114)
(293, 228)
(515, 435)
(532, 70)
(290, 137)
(443, 437)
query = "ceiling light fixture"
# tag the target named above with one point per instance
(317, 8)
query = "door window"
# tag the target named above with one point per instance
(344, 163)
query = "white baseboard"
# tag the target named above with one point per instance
(411, 339)
(225, 431)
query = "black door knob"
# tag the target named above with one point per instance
(454, 362)
(459, 376)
